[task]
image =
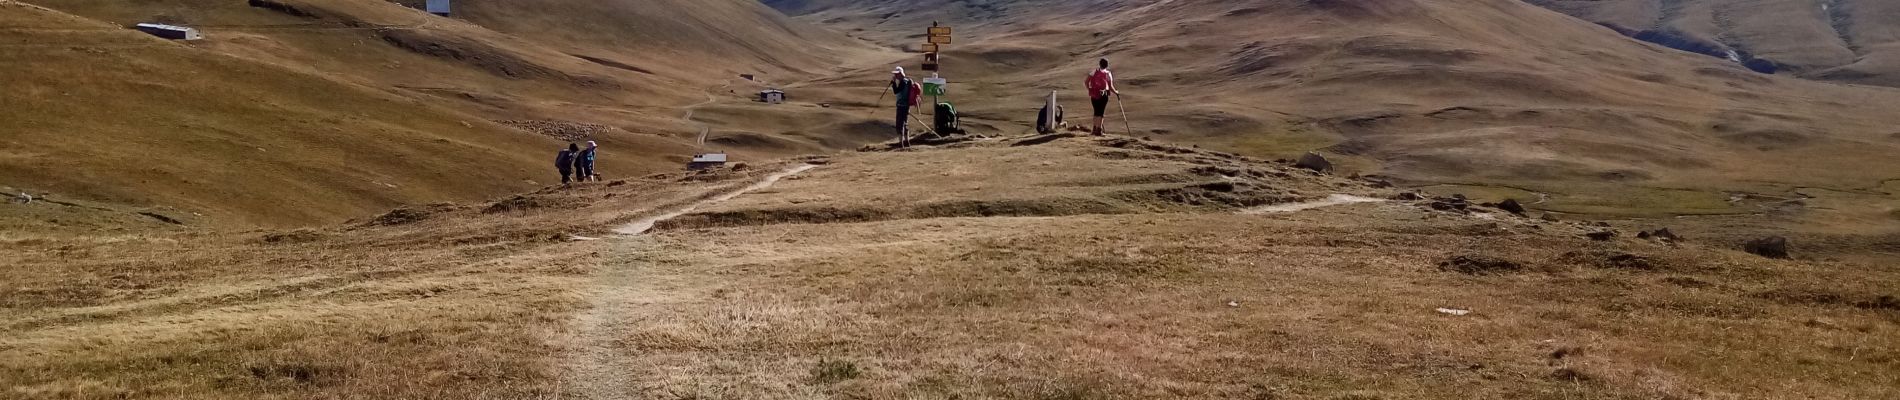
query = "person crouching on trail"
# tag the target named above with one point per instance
(584, 163)
(1101, 85)
(564, 161)
(901, 85)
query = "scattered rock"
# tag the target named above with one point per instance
(400, 216)
(1215, 171)
(1512, 206)
(1454, 311)
(1663, 234)
(1601, 236)
(1479, 265)
(1408, 196)
(1315, 162)
(740, 167)
(564, 130)
(1549, 217)
(1771, 247)
(1455, 203)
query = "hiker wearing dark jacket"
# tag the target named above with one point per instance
(901, 85)
(565, 162)
(584, 162)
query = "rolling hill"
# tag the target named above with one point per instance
(1526, 205)
(1500, 94)
(1855, 41)
(110, 115)
(294, 112)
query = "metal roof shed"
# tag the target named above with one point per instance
(773, 96)
(706, 161)
(172, 32)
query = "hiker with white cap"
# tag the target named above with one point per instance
(907, 94)
(584, 163)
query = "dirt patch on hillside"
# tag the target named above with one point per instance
(612, 64)
(532, 203)
(953, 209)
(1829, 297)
(1480, 265)
(1225, 194)
(292, 237)
(1612, 259)
(300, 11)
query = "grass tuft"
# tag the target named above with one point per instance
(834, 371)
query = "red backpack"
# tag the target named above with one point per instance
(1098, 83)
(916, 93)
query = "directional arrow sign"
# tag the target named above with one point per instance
(939, 39)
(930, 47)
(940, 31)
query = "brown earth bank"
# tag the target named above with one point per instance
(1057, 267)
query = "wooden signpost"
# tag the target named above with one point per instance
(935, 86)
(935, 38)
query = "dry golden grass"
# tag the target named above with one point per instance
(1170, 294)
(1327, 303)
(458, 301)
(1074, 268)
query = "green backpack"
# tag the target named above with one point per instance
(946, 122)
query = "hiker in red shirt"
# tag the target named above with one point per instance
(1101, 85)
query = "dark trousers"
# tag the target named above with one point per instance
(564, 173)
(583, 172)
(903, 119)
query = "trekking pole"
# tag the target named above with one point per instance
(1124, 107)
(879, 104)
(926, 128)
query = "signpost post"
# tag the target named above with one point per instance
(936, 86)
